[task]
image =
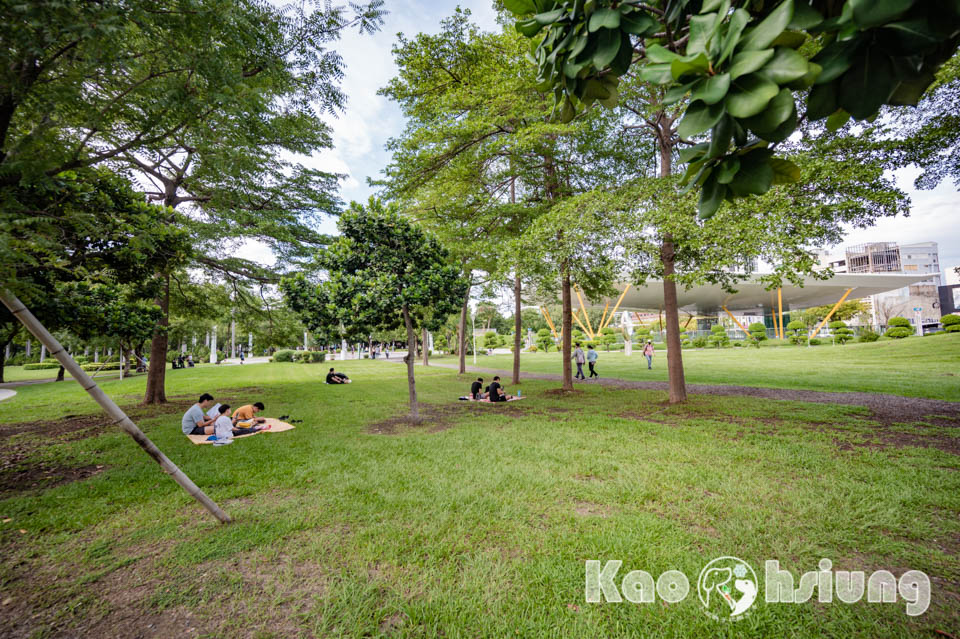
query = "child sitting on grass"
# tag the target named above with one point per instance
(224, 430)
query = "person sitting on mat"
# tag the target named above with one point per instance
(496, 393)
(195, 421)
(224, 428)
(337, 378)
(248, 413)
(475, 394)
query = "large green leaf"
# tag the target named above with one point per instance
(637, 23)
(699, 118)
(529, 27)
(605, 19)
(786, 66)
(738, 20)
(784, 171)
(696, 65)
(711, 197)
(755, 176)
(678, 92)
(621, 63)
(749, 61)
(763, 35)
(776, 113)
(875, 13)
(519, 7)
(867, 85)
(822, 101)
(548, 17)
(750, 95)
(836, 58)
(804, 17)
(713, 89)
(720, 137)
(914, 35)
(660, 55)
(608, 44)
(702, 27)
(656, 73)
(692, 152)
(727, 169)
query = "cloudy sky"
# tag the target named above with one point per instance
(370, 120)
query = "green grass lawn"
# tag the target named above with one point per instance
(476, 523)
(915, 367)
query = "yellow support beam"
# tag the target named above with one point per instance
(604, 316)
(736, 321)
(830, 314)
(583, 307)
(780, 304)
(577, 317)
(546, 316)
(617, 306)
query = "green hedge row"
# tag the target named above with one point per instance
(41, 366)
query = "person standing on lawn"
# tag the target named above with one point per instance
(592, 360)
(580, 359)
(648, 353)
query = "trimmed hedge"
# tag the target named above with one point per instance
(953, 328)
(867, 335)
(898, 322)
(39, 366)
(283, 356)
(111, 366)
(898, 332)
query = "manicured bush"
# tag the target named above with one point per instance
(797, 332)
(533, 348)
(719, 337)
(866, 335)
(815, 341)
(317, 356)
(953, 328)
(899, 332)
(736, 344)
(544, 340)
(898, 321)
(82, 359)
(699, 342)
(283, 356)
(39, 366)
(107, 366)
(841, 333)
(758, 331)
(951, 323)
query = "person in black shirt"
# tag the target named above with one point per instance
(475, 389)
(496, 392)
(337, 378)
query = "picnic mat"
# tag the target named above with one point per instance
(276, 426)
(487, 401)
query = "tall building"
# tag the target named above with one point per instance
(875, 257)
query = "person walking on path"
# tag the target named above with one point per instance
(580, 359)
(592, 360)
(648, 353)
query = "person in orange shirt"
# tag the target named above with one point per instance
(248, 413)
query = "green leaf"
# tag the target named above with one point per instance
(621, 63)
(836, 58)
(711, 197)
(909, 91)
(868, 84)
(804, 17)
(786, 66)
(720, 137)
(604, 19)
(699, 118)
(608, 44)
(876, 13)
(784, 171)
(727, 168)
(696, 65)
(612, 100)
(776, 113)
(755, 176)
(790, 39)
(519, 7)
(549, 17)
(659, 55)
(750, 95)
(638, 23)
(735, 27)
(914, 35)
(713, 89)
(692, 152)
(702, 28)
(808, 80)
(710, 6)
(656, 73)
(529, 27)
(677, 92)
(763, 35)
(837, 119)
(749, 61)
(822, 101)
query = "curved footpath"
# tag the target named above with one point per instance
(888, 408)
(6, 393)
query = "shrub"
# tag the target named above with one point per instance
(797, 330)
(699, 342)
(867, 335)
(16, 360)
(898, 332)
(544, 340)
(283, 356)
(950, 320)
(758, 331)
(39, 366)
(109, 366)
(82, 359)
(898, 321)
(532, 349)
(317, 356)
(736, 344)
(719, 337)
(953, 328)
(815, 341)
(840, 331)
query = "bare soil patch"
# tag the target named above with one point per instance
(435, 418)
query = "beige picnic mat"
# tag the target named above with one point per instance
(276, 426)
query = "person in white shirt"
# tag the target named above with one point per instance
(224, 429)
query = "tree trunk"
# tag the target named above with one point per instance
(411, 353)
(156, 375)
(462, 333)
(517, 327)
(60, 374)
(3, 359)
(678, 387)
(567, 327)
(426, 347)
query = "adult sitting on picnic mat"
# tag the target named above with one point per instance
(475, 394)
(337, 378)
(248, 413)
(195, 421)
(495, 392)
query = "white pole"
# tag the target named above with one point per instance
(305, 340)
(114, 411)
(43, 352)
(233, 338)
(343, 350)
(213, 345)
(473, 324)
(28, 347)
(249, 342)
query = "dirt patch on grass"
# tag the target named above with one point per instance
(435, 418)
(19, 477)
(589, 509)
(559, 392)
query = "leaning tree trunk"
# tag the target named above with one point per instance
(678, 387)
(411, 354)
(567, 327)
(462, 333)
(156, 374)
(517, 327)
(426, 347)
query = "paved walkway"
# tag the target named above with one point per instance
(6, 393)
(891, 408)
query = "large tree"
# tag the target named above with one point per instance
(382, 272)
